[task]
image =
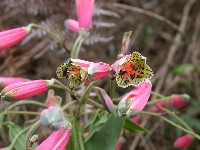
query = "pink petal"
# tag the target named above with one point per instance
(119, 62)
(84, 10)
(82, 63)
(98, 70)
(5, 81)
(72, 25)
(58, 140)
(159, 104)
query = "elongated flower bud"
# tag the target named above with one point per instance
(183, 141)
(58, 140)
(134, 101)
(5, 81)
(22, 90)
(54, 118)
(107, 101)
(157, 105)
(84, 11)
(11, 37)
(72, 25)
(51, 99)
(178, 101)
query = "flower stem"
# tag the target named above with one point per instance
(62, 85)
(24, 112)
(30, 132)
(172, 123)
(68, 105)
(73, 51)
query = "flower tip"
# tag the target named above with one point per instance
(72, 25)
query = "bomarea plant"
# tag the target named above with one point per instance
(108, 116)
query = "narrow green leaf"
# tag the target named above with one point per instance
(182, 69)
(20, 143)
(133, 127)
(108, 136)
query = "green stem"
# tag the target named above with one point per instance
(158, 94)
(32, 25)
(24, 112)
(30, 133)
(92, 102)
(77, 132)
(62, 85)
(158, 100)
(111, 88)
(26, 102)
(68, 105)
(179, 119)
(172, 123)
(79, 47)
(75, 46)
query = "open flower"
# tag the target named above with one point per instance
(72, 25)
(5, 81)
(134, 101)
(84, 11)
(11, 37)
(159, 105)
(132, 70)
(80, 71)
(58, 140)
(183, 141)
(22, 90)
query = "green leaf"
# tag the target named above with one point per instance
(182, 69)
(100, 120)
(133, 127)
(108, 136)
(13, 131)
(20, 143)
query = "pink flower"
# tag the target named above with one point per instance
(137, 120)
(134, 101)
(183, 141)
(84, 10)
(179, 101)
(119, 145)
(157, 105)
(132, 70)
(72, 25)
(22, 90)
(11, 37)
(58, 140)
(5, 81)
(80, 71)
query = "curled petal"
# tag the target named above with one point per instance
(115, 66)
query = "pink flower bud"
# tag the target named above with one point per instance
(135, 101)
(183, 141)
(22, 90)
(119, 145)
(11, 37)
(107, 101)
(84, 10)
(72, 25)
(5, 81)
(137, 120)
(51, 99)
(99, 70)
(178, 101)
(58, 140)
(54, 118)
(157, 105)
